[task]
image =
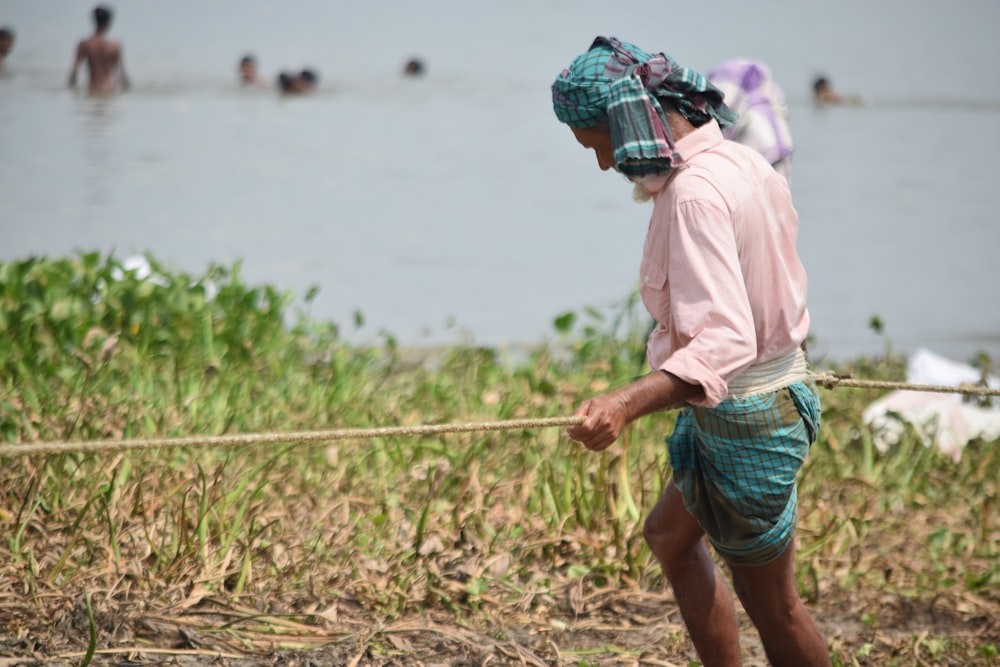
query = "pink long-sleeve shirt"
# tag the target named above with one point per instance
(720, 273)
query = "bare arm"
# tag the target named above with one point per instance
(126, 84)
(607, 415)
(80, 55)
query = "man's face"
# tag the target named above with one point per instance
(248, 71)
(6, 44)
(599, 140)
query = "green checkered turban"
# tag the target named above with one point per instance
(620, 84)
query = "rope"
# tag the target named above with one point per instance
(272, 438)
(827, 380)
(834, 380)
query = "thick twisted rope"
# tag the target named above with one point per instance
(295, 437)
(834, 380)
(826, 380)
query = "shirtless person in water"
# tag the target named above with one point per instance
(103, 56)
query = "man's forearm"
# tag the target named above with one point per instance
(654, 392)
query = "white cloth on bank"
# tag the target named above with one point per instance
(947, 421)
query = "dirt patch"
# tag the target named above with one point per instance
(621, 627)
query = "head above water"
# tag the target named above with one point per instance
(413, 67)
(102, 17)
(6, 40)
(303, 82)
(248, 68)
(617, 85)
(823, 93)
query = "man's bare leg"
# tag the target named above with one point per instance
(701, 592)
(770, 598)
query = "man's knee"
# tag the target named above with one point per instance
(654, 532)
(769, 588)
(670, 542)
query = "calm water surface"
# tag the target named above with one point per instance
(455, 207)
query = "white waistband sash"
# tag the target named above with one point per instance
(770, 375)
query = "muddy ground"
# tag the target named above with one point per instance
(588, 629)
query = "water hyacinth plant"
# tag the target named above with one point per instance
(513, 547)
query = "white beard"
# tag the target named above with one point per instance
(640, 193)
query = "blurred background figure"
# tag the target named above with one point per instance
(102, 55)
(824, 94)
(248, 70)
(414, 67)
(6, 44)
(754, 95)
(308, 80)
(298, 84)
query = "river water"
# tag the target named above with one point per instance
(454, 207)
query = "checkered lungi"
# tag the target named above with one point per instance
(736, 464)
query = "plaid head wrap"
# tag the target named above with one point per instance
(619, 83)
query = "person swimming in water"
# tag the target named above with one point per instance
(298, 84)
(6, 44)
(824, 94)
(103, 57)
(414, 67)
(248, 70)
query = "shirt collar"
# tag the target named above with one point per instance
(703, 138)
(699, 140)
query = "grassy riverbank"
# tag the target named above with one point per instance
(511, 547)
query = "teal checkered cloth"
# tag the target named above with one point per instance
(736, 464)
(619, 83)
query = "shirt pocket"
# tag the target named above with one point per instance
(652, 274)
